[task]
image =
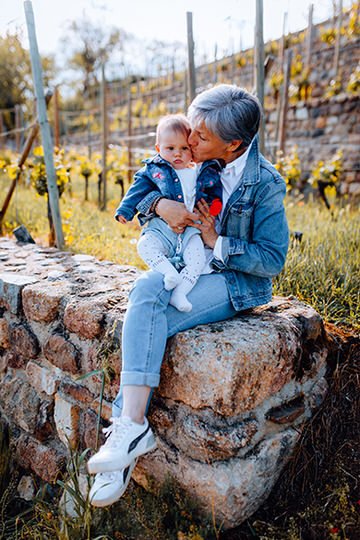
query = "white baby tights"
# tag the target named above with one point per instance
(153, 253)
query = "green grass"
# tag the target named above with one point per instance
(323, 269)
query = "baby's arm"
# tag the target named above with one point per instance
(141, 186)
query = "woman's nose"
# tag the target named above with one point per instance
(191, 140)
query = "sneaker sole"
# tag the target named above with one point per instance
(117, 494)
(115, 465)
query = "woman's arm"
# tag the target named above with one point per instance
(264, 255)
(175, 214)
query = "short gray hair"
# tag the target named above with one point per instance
(228, 111)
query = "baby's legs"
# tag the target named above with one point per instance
(152, 252)
(194, 259)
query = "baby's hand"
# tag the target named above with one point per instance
(121, 219)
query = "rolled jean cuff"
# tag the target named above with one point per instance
(139, 378)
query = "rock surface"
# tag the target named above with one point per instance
(232, 396)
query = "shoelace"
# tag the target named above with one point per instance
(116, 431)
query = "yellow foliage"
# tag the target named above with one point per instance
(289, 167)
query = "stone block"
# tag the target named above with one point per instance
(24, 345)
(61, 352)
(67, 502)
(317, 132)
(320, 122)
(11, 285)
(76, 392)
(84, 317)
(234, 488)
(4, 334)
(20, 402)
(45, 461)
(41, 301)
(106, 408)
(301, 113)
(26, 488)
(41, 378)
(332, 120)
(45, 421)
(354, 188)
(201, 436)
(351, 105)
(66, 416)
(89, 431)
(209, 356)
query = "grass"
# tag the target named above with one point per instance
(323, 269)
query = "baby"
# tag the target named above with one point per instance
(173, 173)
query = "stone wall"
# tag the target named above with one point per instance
(319, 126)
(232, 399)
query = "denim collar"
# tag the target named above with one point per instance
(251, 173)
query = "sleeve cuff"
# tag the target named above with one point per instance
(218, 249)
(144, 206)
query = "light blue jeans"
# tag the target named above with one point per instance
(150, 321)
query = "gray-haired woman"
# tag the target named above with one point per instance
(247, 244)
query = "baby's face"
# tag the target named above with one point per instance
(173, 147)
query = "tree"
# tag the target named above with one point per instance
(94, 45)
(15, 73)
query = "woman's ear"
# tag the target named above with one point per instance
(234, 145)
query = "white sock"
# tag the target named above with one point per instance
(194, 258)
(152, 252)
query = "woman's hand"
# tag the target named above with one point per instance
(207, 226)
(175, 214)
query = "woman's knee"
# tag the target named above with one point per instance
(148, 285)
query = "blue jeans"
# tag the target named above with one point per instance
(150, 321)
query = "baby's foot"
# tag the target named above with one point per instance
(171, 279)
(180, 302)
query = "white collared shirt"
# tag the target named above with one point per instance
(230, 178)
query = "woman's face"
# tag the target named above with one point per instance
(205, 145)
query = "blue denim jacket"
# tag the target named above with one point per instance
(158, 174)
(255, 232)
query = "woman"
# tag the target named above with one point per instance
(249, 242)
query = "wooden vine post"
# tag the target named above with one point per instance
(17, 128)
(129, 135)
(56, 118)
(104, 137)
(191, 61)
(285, 100)
(53, 192)
(338, 39)
(282, 43)
(309, 38)
(259, 67)
(2, 129)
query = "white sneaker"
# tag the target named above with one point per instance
(126, 440)
(110, 486)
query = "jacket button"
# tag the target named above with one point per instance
(179, 197)
(176, 180)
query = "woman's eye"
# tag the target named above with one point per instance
(185, 148)
(202, 138)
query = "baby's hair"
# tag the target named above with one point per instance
(177, 122)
